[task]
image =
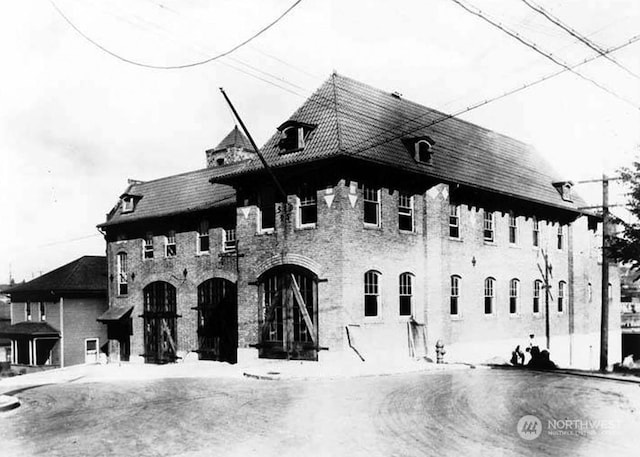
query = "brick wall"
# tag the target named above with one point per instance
(142, 272)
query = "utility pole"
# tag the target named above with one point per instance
(547, 293)
(604, 322)
(604, 296)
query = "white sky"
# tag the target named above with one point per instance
(75, 123)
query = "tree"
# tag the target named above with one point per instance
(624, 246)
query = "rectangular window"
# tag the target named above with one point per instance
(513, 229)
(536, 232)
(122, 273)
(203, 236)
(267, 211)
(43, 311)
(170, 244)
(371, 206)
(560, 236)
(148, 246)
(307, 208)
(27, 311)
(455, 295)
(229, 241)
(371, 294)
(561, 287)
(454, 221)
(405, 212)
(488, 226)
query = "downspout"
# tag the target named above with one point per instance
(61, 332)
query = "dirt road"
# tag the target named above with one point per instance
(473, 412)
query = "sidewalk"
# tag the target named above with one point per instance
(264, 369)
(611, 376)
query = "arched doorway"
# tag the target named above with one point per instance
(289, 313)
(217, 320)
(160, 323)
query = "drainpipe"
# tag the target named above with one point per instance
(61, 332)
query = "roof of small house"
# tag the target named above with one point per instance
(30, 329)
(235, 139)
(359, 121)
(86, 274)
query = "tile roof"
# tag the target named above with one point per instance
(355, 119)
(86, 274)
(30, 329)
(183, 193)
(235, 138)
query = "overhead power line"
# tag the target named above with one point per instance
(476, 12)
(172, 67)
(574, 33)
(477, 105)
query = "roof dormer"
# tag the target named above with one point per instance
(421, 148)
(294, 136)
(564, 188)
(128, 202)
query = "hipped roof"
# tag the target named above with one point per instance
(356, 120)
(87, 274)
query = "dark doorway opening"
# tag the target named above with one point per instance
(218, 320)
(160, 322)
(289, 314)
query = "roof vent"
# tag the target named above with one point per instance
(397, 95)
(564, 188)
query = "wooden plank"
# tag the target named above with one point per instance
(303, 309)
(165, 329)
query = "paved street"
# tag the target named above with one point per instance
(433, 413)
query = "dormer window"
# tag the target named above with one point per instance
(421, 148)
(129, 202)
(294, 136)
(564, 188)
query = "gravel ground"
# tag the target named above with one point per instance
(431, 413)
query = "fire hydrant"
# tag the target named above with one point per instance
(440, 352)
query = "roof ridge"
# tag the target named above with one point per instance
(217, 169)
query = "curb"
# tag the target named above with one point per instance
(8, 403)
(582, 374)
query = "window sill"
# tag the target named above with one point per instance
(201, 253)
(457, 239)
(489, 243)
(372, 227)
(229, 253)
(146, 259)
(306, 227)
(265, 232)
(373, 320)
(455, 317)
(537, 315)
(407, 232)
(515, 316)
(515, 246)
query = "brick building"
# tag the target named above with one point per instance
(53, 317)
(392, 227)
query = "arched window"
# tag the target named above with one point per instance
(371, 293)
(537, 287)
(514, 294)
(561, 295)
(405, 294)
(454, 299)
(217, 320)
(122, 273)
(423, 151)
(609, 292)
(489, 295)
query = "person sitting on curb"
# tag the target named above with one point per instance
(517, 356)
